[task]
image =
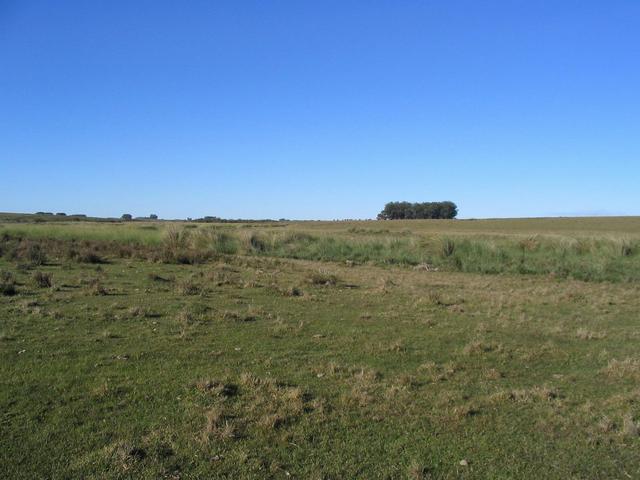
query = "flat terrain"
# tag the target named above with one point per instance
(424, 349)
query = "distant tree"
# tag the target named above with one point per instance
(153, 216)
(448, 209)
(61, 214)
(127, 217)
(407, 210)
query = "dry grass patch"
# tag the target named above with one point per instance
(366, 375)
(526, 395)
(270, 404)
(480, 346)
(417, 471)
(358, 396)
(42, 279)
(216, 388)
(94, 286)
(493, 374)
(138, 312)
(322, 278)
(154, 277)
(630, 428)
(385, 285)
(189, 286)
(250, 315)
(397, 346)
(219, 425)
(627, 368)
(584, 334)
(438, 373)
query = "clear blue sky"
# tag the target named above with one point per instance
(323, 109)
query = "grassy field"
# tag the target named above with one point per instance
(327, 350)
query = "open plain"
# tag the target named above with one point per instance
(389, 349)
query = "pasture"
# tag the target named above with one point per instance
(328, 350)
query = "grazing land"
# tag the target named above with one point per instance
(329, 350)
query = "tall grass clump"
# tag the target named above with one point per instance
(257, 243)
(7, 283)
(588, 259)
(448, 247)
(42, 279)
(391, 250)
(184, 246)
(225, 243)
(176, 247)
(28, 252)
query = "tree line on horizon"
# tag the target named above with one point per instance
(414, 211)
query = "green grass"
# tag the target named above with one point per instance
(612, 255)
(256, 365)
(143, 233)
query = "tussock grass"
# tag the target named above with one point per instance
(7, 283)
(322, 277)
(189, 286)
(585, 334)
(42, 279)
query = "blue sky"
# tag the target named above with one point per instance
(319, 110)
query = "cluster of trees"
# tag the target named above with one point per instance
(61, 214)
(127, 217)
(212, 219)
(408, 210)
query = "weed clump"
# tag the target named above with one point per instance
(584, 334)
(321, 277)
(218, 425)
(217, 388)
(178, 247)
(477, 347)
(42, 279)
(95, 287)
(189, 287)
(257, 243)
(157, 278)
(448, 247)
(225, 243)
(293, 292)
(36, 255)
(85, 255)
(7, 283)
